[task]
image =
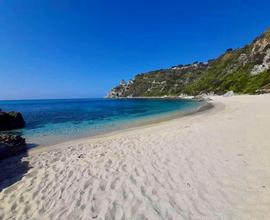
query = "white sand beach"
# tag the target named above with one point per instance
(211, 165)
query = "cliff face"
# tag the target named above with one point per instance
(244, 70)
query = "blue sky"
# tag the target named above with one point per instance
(78, 49)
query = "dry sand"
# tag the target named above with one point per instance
(211, 165)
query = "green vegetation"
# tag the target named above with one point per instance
(243, 70)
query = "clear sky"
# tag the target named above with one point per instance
(76, 49)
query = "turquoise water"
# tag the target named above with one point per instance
(54, 121)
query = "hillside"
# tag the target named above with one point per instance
(244, 70)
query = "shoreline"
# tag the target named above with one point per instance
(124, 128)
(210, 165)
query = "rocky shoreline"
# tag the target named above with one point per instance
(11, 145)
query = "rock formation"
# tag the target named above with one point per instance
(11, 145)
(11, 120)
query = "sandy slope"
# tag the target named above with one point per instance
(213, 165)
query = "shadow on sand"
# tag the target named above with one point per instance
(13, 169)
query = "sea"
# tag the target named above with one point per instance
(53, 121)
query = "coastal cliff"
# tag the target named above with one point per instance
(245, 71)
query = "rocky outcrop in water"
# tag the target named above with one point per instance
(11, 120)
(11, 145)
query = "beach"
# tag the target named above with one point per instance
(214, 164)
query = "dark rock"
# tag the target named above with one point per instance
(11, 145)
(11, 120)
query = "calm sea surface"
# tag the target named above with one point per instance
(54, 121)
